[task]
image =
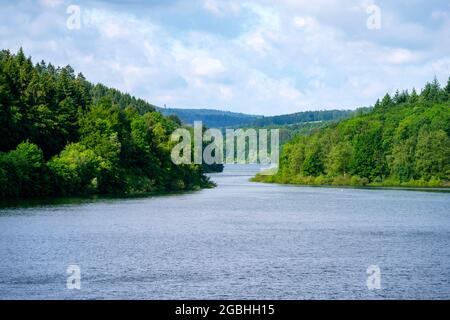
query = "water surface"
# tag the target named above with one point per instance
(241, 240)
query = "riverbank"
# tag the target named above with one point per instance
(354, 181)
(89, 197)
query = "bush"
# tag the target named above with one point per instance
(321, 180)
(22, 172)
(341, 181)
(74, 170)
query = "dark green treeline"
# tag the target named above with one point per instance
(403, 141)
(62, 135)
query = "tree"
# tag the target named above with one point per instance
(432, 92)
(432, 156)
(387, 100)
(338, 160)
(447, 89)
(22, 172)
(414, 97)
(75, 170)
(403, 145)
(85, 138)
(368, 159)
(402, 159)
(313, 164)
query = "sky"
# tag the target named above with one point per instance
(260, 57)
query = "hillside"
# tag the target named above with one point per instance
(62, 135)
(403, 141)
(305, 117)
(211, 118)
(304, 123)
(290, 125)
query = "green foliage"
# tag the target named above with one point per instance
(75, 170)
(403, 141)
(23, 172)
(291, 124)
(337, 160)
(210, 118)
(83, 138)
(432, 156)
(305, 117)
(313, 163)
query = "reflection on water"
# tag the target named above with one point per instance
(239, 240)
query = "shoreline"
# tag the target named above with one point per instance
(366, 187)
(89, 198)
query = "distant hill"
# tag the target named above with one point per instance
(305, 123)
(212, 118)
(306, 116)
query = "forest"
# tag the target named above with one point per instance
(210, 117)
(404, 140)
(307, 117)
(61, 135)
(226, 119)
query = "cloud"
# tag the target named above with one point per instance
(260, 57)
(51, 3)
(222, 7)
(400, 56)
(207, 66)
(113, 30)
(300, 22)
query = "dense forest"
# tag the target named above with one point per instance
(62, 135)
(303, 123)
(210, 118)
(307, 117)
(289, 125)
(403, 141)
(290, 122)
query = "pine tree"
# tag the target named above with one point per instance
(377, 104)
(414, 97)
(447, 89)
(387, 100)
(432, 92)
(396, 98)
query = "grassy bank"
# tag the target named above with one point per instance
(351, 181)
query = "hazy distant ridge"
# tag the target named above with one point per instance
(213, 118)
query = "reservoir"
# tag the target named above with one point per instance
(240, 240)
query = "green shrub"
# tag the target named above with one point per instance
(22, 172)
(75, 169)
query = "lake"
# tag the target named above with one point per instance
(241, 240)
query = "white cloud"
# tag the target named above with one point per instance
(114, 30)
(226, 92)
(51, 3)
(211, 6)
(222, 7)
(205, 66)
(195, 64)
(400, 56)
(300, 22)
(256, 41)
(256, 57)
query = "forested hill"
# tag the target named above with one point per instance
(212, 118)
(62, 135)
(403, 141)
(306, 116)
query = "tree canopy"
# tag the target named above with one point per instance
(403, 141)
(62, 135)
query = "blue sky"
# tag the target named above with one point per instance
(261, 57)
